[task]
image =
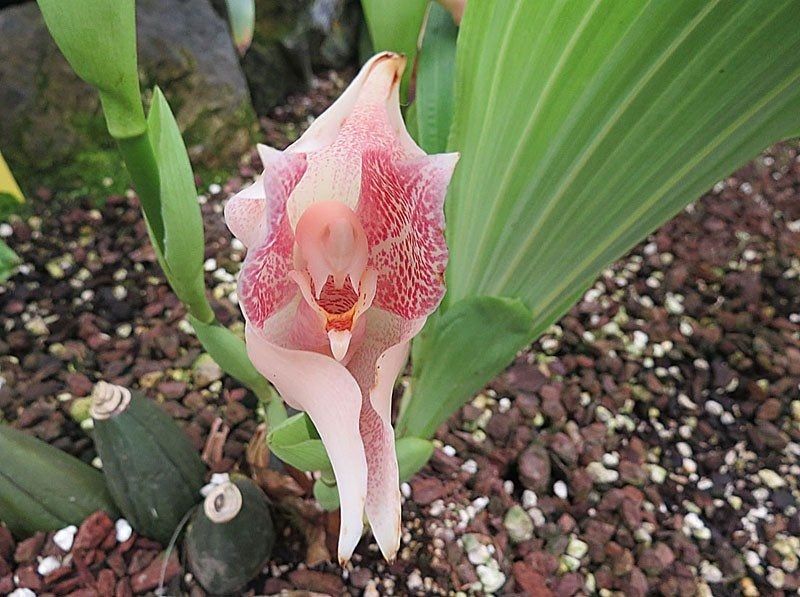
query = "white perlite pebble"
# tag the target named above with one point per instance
(6, 230)
(449, 450)
(124, 530)
(214, 188)
(714, 408)
(601, 474)
(414, 581)
(47, 565)
(710, 572)
(577, 548)
(658, 474)
(490, 576)
(470, 466)
(560, 489)
(776, 577)
(529, 499)
(65, 537)
(770, 478)
(22, 593)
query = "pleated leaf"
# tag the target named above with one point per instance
(583, 125)
(434, 89)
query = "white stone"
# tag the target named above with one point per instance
(123, 529)
(529, 499)
(601, 474)
(710, 572)
(658, 474)
(714, 408)
(470, 466)
(771, 479)
(491, 578)
(577, 548)
(560, 489)
(22, 593)
(64, 538)
(47, 565)
(414, 581)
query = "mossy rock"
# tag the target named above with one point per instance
(53, 132)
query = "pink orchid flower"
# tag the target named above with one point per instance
(346, 259)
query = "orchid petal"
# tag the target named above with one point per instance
(375, 366)
(325, 390)
(251, 213)
(401, 210)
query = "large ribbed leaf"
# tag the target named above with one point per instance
(584, 125)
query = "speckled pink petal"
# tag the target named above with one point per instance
(375, 366)
(260, 222)
(368, 117)
(324, 389)
(401, 209)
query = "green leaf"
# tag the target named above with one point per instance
(98, 39)
(242, 17)
(183, 242)
(435, 74)
(395, 26)
(8, 262)
(582, 126)
(296, 442)
(412, 454)
(327, 495)
(454, 356)
(230, 353)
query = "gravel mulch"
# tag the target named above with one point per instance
(647, 444)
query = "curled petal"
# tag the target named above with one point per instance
(375, 366)
(325, 390)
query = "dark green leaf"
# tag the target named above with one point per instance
(456, 353)
(435, 73)
(395, 26)
(8, 262)
(296, 442)
(412, 454)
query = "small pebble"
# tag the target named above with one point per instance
(47, 565)
(123, 529)
(64, 538)
(560, 489)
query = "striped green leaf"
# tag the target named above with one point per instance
(584, 125)
(433, 104)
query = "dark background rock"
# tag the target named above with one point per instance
(52, 122)
(291, 39)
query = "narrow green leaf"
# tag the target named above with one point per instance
(183, 224)
(98, 39)
(584, 125)
(230, 353)
(242, 17)
(296, 442)
(412, 454)
(435, 74)
(8, 262)
(326, 495)
(454, 356)
(395, 26)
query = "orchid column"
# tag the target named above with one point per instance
(346, 259)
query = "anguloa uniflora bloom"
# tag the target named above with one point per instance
(346, 258)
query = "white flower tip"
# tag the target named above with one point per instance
(340, 342)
